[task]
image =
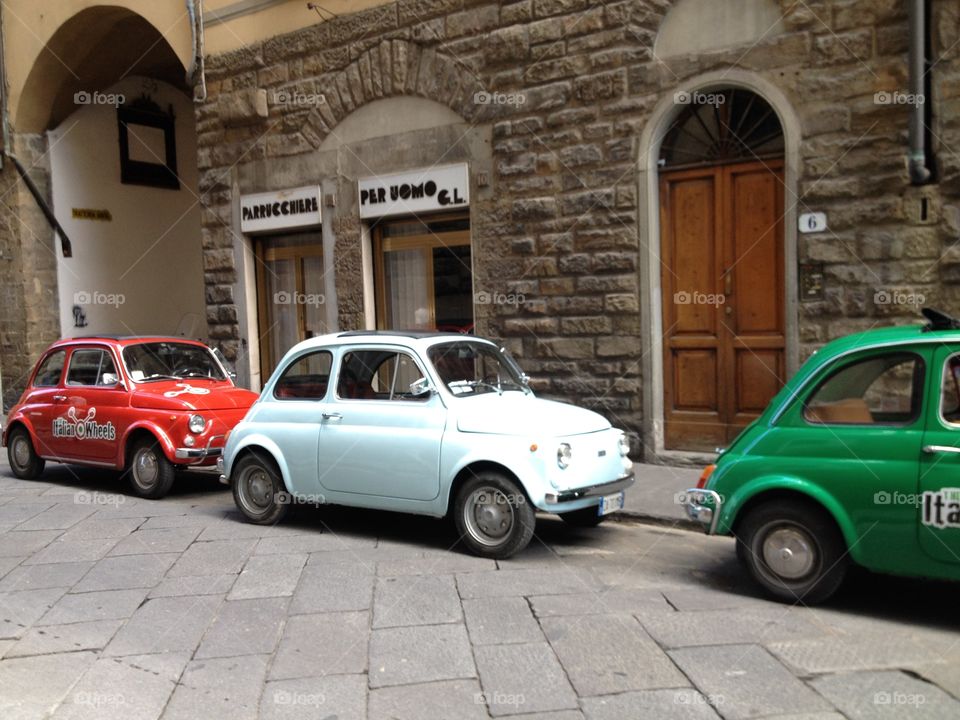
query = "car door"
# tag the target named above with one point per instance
(45, 403)
(938, 515)
(857, 433)
(378, 438)
(95, 405)
(291, 416)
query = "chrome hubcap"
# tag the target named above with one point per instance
(145, 468)
(488, 516)
(21, 452)
(789, 553)
(256, 490)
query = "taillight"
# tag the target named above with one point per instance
(705, 475)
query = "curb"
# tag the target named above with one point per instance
(658, 520)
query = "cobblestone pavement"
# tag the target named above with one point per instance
(113, 607)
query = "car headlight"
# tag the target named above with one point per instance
(564, 455)
(624, 445)
(197, 424)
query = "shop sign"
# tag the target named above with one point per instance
(412, 193)
(281, 210)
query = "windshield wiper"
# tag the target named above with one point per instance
(160, 376)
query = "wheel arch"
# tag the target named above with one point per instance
(264, 447)
(139, 431)
(20, 421)
(471, 469)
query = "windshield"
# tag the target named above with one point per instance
(471, 368)
(146, 362)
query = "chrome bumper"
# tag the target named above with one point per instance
(703, 507)
(197, 454)
(590, 491)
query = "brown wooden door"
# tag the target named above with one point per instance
(723, 299)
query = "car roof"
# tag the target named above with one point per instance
(414, 339)
(124, 340)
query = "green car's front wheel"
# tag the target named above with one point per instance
(794, 550)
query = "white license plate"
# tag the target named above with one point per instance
(610, 503)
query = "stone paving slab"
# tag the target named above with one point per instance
(22, 697)
(725, 627)
(14, 544)
(334, 587)
(142, 542)
(64, 550)
(745, 681)
(126, 572)
(672, 704)
(20, 610)
(211, 558)
(461, 699)
(268, 576)
(501, 620)
(332, 697)
(100, 605)
(602, 602)
(888, 694)
(165, 625)
(244, 627)
(323, 644)
(48, 575)
(523, 678)
(47, 640)
(419, 654)
(606, 654)
(219, 689)
(416, 600)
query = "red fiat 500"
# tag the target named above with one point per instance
(146, 405)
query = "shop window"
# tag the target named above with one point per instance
(148, 145)
(424, 277)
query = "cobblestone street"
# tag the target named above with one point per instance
(114, 607)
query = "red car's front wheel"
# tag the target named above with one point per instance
(151, 474)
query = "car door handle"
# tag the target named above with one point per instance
(59, 398)
(941, 449)
(332, 416)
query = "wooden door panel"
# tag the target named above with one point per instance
(756, 238)
(721, 236)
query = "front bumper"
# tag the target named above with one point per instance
(590, 491)
(703, 507)
(195, 455)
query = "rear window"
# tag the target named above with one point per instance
(50, 370)
(306, 378)
(878, 390)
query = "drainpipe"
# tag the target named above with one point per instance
(920, 172)
(196, 75)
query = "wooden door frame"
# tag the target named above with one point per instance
(651, 349)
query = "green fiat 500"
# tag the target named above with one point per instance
(856, 460)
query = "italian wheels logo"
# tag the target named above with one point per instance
(941, 509)
(85, 428)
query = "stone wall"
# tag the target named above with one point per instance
(577, 81)
(29, 320)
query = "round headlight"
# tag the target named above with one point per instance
(564, 454)
(197, 424)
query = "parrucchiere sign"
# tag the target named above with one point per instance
(280, 210)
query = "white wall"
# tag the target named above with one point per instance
(142, 272)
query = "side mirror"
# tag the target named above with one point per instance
(109, 379)
(525, 379)
(421, 387)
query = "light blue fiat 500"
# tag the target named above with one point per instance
(423, 423)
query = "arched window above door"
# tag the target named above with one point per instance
(721, 126)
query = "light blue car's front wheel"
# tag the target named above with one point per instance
(258, 490)
(493, 515)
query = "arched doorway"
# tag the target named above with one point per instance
(722, 269)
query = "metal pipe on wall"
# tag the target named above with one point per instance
(920, 172)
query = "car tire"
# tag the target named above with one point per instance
(794, 550)
(258, 490)
(493, 515)
(151, 473)
(585, 518)
(24, 461)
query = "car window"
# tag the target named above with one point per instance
(378, 375)
(91, 367)
(950, 390)
(306, 378)
(882, 389)
(48, 375)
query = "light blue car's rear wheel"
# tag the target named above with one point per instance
(258, 490)
(493, 516)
